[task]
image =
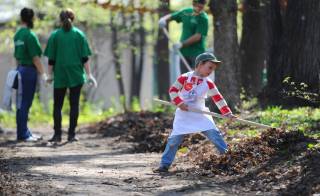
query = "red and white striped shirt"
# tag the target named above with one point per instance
(213, 92)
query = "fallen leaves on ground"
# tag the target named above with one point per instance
(275, 161)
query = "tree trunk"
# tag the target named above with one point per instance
(226, 49)
(162, 56)
(137, 43)
(295, 53)
(142, 43)
(253, 49)
(133, 46)
(116, 60)
(274, 34)
(301, 45)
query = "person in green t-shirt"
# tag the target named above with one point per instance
(194, 31)
(68, 54)
(27, 52)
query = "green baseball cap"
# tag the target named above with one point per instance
(206, 57)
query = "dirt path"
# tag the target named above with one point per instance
(95, 166)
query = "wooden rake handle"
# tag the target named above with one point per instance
(216, 115)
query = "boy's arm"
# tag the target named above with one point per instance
(218, 99)
(175, 88)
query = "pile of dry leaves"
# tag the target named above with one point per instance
(148, 130)
(276, 161)
(250, 152)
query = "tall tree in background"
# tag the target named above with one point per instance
(295, 48)
(226, 48)
(142, 43)
(116, 58)
(133, 48)
(162, 55)
(274, 34)
(137, 44)
(253, 48)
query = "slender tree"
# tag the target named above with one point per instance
(142, 43)
(133, 48)
(116, 59)
(137, 44)
(162, 54)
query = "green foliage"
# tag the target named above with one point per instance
(246, 102)
(123, 102)
(313, 146)
(135, 105)
(300, 90)
(88, 15)
(244, 132)
(7, 119)
(249, 104)
(305, 119)
(157, 107)
(183, 150)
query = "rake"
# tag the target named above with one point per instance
(217, 115)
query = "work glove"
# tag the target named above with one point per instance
(177, 46)
(49, 79)
(91, 80)
(44, 77)
(162, 23)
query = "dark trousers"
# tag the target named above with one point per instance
(29, 81)
(74, 96)
(190, 61)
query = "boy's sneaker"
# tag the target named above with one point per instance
(161, 169)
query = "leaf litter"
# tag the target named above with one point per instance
(277, 160)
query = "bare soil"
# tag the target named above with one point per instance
(94, 165)
(116, 156)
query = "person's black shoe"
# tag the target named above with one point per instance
(55, 138)
(161, 169)
(72, 139)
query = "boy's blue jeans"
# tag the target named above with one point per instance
(29, 81)
(174, 141)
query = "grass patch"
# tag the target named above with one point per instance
(303, 118)
(40, 115)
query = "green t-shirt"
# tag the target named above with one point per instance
(191, 25)
(68, 49)
(26, 46)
